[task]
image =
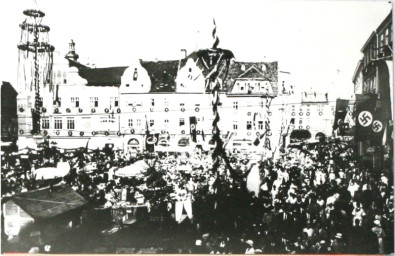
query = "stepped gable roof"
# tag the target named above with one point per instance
(162, 74)
(49, 202)
(267, 71)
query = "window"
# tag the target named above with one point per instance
(70, 123)
(249, 104)
(130, 122)
(197, 105)
(249, 125)
(138, 122)
(135, 75)
(235, 126)
(94, 101)
(45, 123)
(235, 105)
(166, 122)
(58, 123)
(182, 104)
(151, 122)
(190, 69)
(300, 121)
(262, 104)
(166, 103)
(381, 43)
(114, 101)
(127, 85)
(260, 125)
(182, 121)
(153, 102)
(387, 36)
(60, 101)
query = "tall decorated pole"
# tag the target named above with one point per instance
(214, 63)
(35, 61)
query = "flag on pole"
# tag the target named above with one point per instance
(364, 116)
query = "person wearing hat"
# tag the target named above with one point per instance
(250, 247)
(338, 245)
(378, 230)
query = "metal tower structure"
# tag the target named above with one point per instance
(35, 61)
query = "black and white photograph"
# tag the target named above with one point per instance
(197, 127)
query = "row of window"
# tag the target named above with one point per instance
(58, 123)
(137, 122)
(94, 101)
(249, 125)
(377, 45)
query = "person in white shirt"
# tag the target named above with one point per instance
(358, 213)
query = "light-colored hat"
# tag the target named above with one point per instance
(250, 242)
(339, 235)
(377, 222)
(198, 242)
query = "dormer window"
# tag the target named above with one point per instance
(135, 75)
(243, 67)
(263, 67)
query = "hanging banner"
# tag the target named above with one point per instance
(364, 116)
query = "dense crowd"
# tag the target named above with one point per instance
(311, 200)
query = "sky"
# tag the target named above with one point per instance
(319, 42)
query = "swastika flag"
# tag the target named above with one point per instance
(377, 128)
(364, 117)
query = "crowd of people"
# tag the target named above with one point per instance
(313, 199)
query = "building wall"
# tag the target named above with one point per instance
(9, 123)
(119, 115)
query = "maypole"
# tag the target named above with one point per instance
(214, 63)
(40, 64)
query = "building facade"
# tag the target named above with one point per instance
(375, 74)
(122, 105)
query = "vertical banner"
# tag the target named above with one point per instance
(364, 116)
(378, 126)
(192, 125)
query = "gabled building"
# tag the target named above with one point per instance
(168, 99)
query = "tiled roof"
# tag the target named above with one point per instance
(43, 203)
(162, 74)
(102, 76)
(253, 70)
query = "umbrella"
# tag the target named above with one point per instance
(47, 173)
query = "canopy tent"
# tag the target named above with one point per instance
(133, 170)
(47, 173)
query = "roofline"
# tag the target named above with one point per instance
(387, 18)
(359, 66)
(368, 41)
